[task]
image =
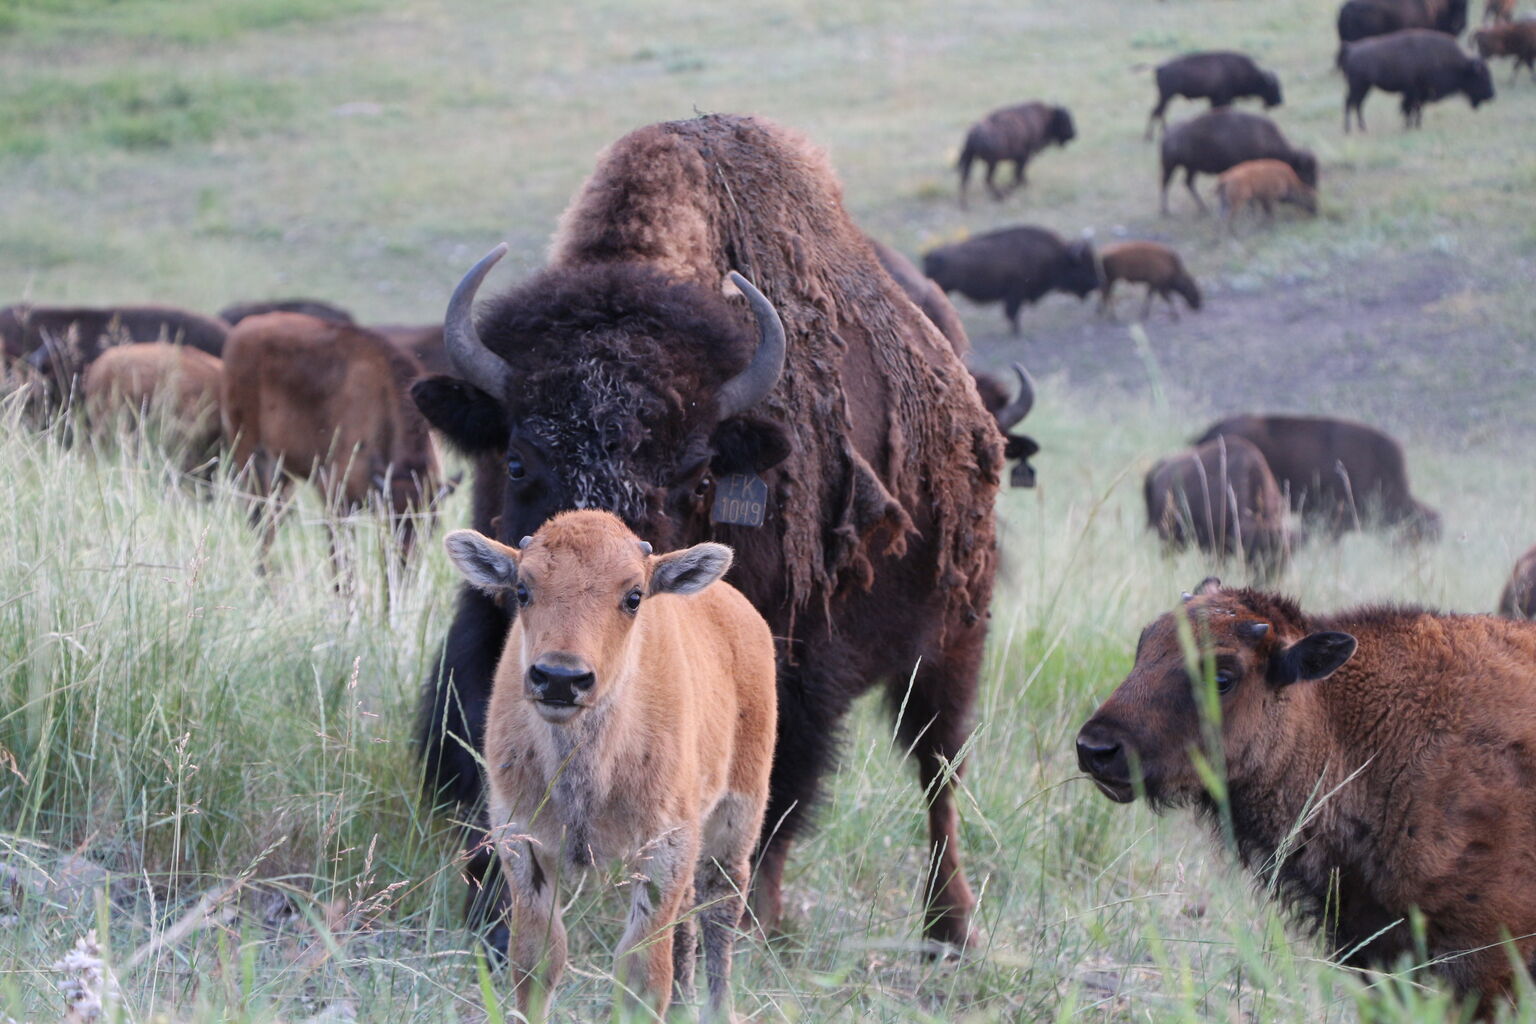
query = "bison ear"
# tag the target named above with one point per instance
(690, 570)
(470, 419)
(746, 445)
(1312, 657)
(488, 566)
(1020, 446)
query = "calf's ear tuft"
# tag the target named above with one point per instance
(488, 566)
(690, 570)
(1312, 657)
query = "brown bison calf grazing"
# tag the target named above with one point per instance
(1376, 764)
(1517, 40)
(1265, 183)
(1222, 497)
(1422, 64)
(632, 716)
(183, 382)
(1219, 140)
(1218, 75)
(1156, 266)
(1519, 598)
(1016, 134)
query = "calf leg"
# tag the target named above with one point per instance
(685, 950)
(537, 951)
(646, 951)
(1146, 307)
(1105, 291)
(722, 884)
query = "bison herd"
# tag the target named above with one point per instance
(718, 372)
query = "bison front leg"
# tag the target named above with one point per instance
(537, 950)
(1189, 183)
(990, 181)
(663, 877)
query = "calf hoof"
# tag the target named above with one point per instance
(951, 937)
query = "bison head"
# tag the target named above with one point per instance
(608, 386)
(1061, 130)
(1079, 272)
(1269, 89)
(1214, 680)
(1305, 165)
(1477, 83)
(1017, 448)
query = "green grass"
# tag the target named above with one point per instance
(172, 716)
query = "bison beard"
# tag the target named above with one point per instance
(877, 557)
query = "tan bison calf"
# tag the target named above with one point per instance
(1518, 601)
(1156, 266)
(1377, 764)
(182, 383)
(632, 716)
(1265, 183)
(1222, 497)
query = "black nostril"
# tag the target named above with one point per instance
(1096, 756)
(558, 682)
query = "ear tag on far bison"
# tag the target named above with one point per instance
(741, 499)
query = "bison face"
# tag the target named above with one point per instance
(1061, 130)
(1269, 89)
(1305, 165)
(609, 394)
(1478, 83)
(1079, 270)
(1212, 683)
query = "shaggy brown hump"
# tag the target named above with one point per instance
(697, 198)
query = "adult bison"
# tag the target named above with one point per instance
(1221, 497)
(318, 308)
(1014, 266)
(1012, 134)
(1219, 140)
(314, 399)
(1362, 19)
(1220, 76)
(1423, 66)
(1339, 472)
(1372, 766)
(836, 445)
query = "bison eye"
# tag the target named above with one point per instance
(632, 601)
(1225, 681)
(703, 486)
(515, 470)
(523, 597)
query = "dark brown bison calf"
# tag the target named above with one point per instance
(1149, 263)
(1518, 601)
(1375, 765)
(1221, 497)
(1012, 134)
(1516, 39)
(1221, 139)
(1220, 76)
(1421, 64)
(1013, 266)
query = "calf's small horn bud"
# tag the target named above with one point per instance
(524, 543)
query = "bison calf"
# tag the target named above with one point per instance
(1517, 40)
(1156, 266)
(1373, 767)
(1265, 183)
(1219, 140)
(632, 717)
(1013, 266)
(1221, 497)
(1012, 134)
(1421, 64)
(182, 383)
(1220, 76)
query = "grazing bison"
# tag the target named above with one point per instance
(1220, 76)
(632, 716)
(1342, 473)
(1012, 134)
(1265, 183)
(317, 308)
(1221, 497)
(327, 402)
(1422, 65)
(1517, 40)
(183, 383)
(1013, 266)
(1518, 601)
(1149, 263)
(842, 452)
(1362, 19)
(1375, 766)
(1009, 412)
(1220, 139)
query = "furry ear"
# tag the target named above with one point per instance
(488, 566)
(1312, 657)
(1020, 446)
(746, 445)
(471, 420)
(690, 570)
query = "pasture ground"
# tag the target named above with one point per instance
(208, 734)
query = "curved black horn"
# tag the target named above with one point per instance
(753, 384)
(1017, 409)
(470, 358)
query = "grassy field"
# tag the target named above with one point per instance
(234, 748)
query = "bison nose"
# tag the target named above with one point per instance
(1102, 756)
(558, 684)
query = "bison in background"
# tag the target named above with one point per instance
(182, 385)
(1014, 266)
(1372, 767)
(1221, 497)
(1149, 263)
(1422, 65)
(1009, 411)
(1220, 76)
(317, 308)
(1342, 474)
(312, 399)
(1221, 139)
(1518, 601)
(1264, 183)
(1012, 134)
(1516, 39)
(1362, 19)
(837, 445)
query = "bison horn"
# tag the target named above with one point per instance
(470, 358)
(753, 384)
(1016, 410)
